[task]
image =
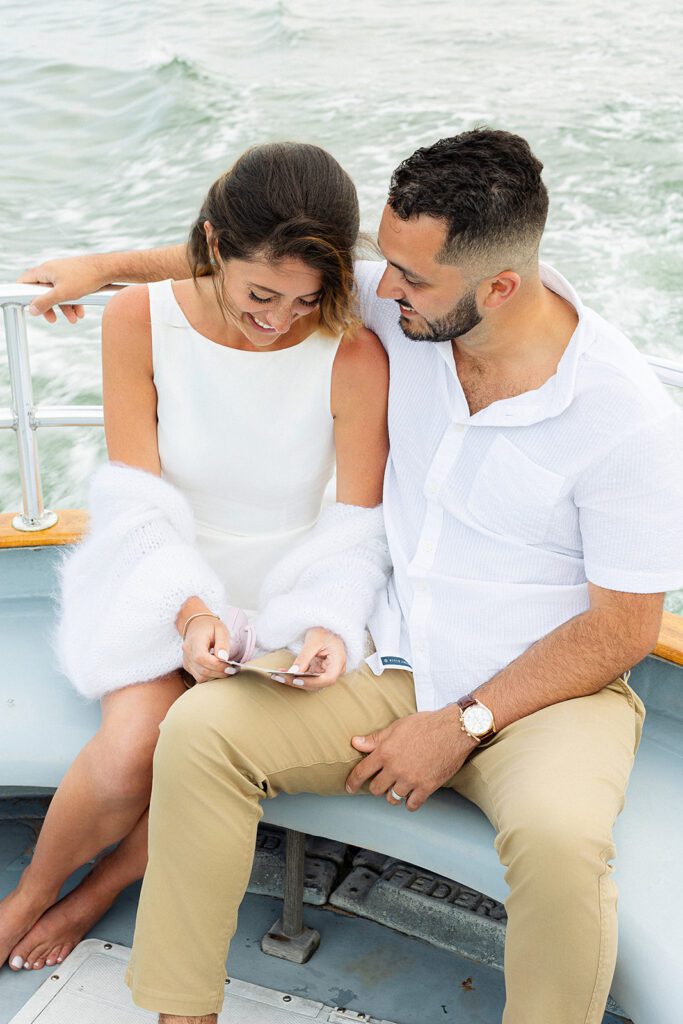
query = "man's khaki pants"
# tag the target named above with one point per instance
(552, 785)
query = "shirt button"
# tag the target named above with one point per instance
(429, 547)
(432, 489)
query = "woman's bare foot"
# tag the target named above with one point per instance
(61, 928)
(18, 913)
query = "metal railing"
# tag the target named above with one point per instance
(25, 418)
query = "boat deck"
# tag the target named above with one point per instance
(361, 965)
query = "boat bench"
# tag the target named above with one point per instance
(44, 723)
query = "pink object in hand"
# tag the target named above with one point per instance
(242, 635)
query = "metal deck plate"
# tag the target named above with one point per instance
(88, 988)
(429, 906)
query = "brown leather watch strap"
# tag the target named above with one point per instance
(466, 702)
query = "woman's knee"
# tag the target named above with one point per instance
(122, 758)
(125, 744)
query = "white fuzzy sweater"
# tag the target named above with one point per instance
(124, 584)
(331, 579)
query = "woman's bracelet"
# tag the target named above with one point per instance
(196, 616)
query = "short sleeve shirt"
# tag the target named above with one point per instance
(497, 521)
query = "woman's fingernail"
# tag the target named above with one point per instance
(17, 962)
(298, 682)
(32, 310)
(223, 655)
(359, 739)
(295, 668)
(230, 671)
(279, 679)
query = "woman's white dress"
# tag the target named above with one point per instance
(246, 436)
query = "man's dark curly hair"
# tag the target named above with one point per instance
(486, 185)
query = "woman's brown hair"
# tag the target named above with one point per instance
(284, 199)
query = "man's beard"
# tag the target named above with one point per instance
(463, 318)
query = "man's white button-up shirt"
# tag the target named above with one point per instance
(497, 521)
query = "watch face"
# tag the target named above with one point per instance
(477, 719)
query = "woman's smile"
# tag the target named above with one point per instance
(260, 325)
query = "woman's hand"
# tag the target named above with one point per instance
(322, 652)
(204, 636)
(68, 279)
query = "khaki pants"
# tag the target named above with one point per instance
(552, 785)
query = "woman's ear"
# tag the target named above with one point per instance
(211, 242)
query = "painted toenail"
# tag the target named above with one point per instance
(59, 959)
(17, 962)
(27, 966)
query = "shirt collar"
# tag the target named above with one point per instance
(553, 397)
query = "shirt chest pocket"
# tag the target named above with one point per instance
(512, 495)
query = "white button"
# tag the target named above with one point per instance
(429, 547)
(432, 489)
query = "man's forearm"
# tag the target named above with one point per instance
(144, 265)
(576, 659)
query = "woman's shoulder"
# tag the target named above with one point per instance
(361, 366)
(127, 328)
(130, 303)
(360, 350)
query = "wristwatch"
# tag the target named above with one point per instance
(476, 719)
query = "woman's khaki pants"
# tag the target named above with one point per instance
(552, 785)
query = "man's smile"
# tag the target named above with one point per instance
(406, 310)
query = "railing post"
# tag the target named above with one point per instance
(34, 517)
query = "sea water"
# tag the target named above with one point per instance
(117, 117)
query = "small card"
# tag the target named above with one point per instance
(273, 671)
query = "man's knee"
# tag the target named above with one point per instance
(549, 833)
(207, 720)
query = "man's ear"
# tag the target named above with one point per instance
(498, 289)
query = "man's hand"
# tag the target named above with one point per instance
(414, 756)
(68, 278)
(75, 276)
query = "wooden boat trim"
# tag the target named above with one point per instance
(73, 524)
(70, 527)
(670, 644)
